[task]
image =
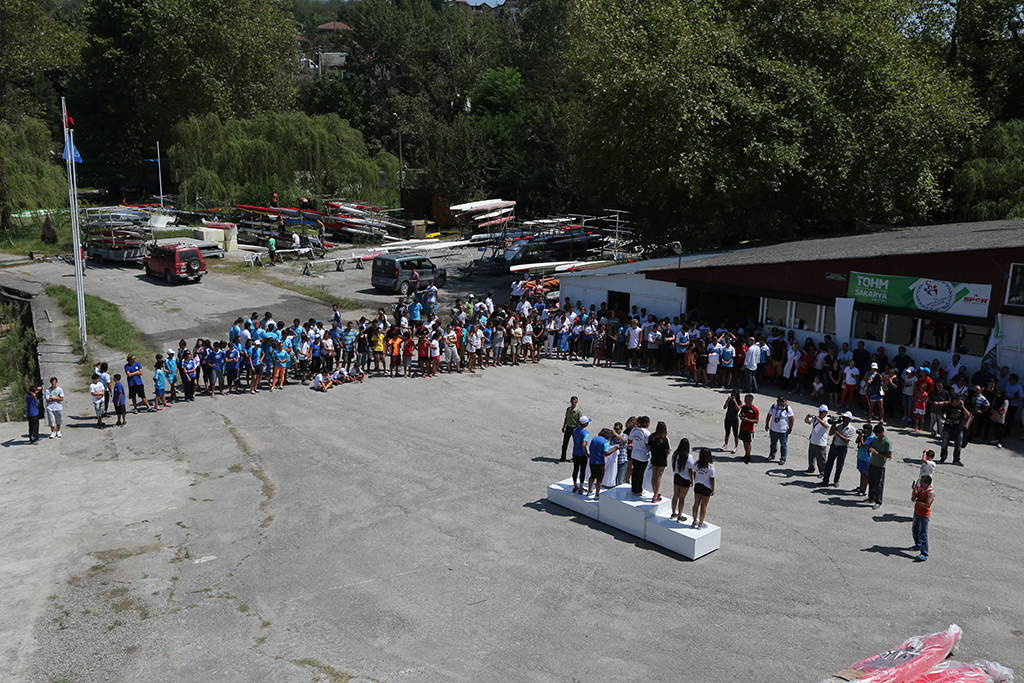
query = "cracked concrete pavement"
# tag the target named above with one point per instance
(398, 531)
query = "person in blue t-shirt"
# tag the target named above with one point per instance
(600, 447)
(217, 365)
(32, 412)
(159, 385)
(119, 410)
(580, 437)
(256, 368)
(136, 385)
(171, 374)
(189, 373)
(231, 360)
(236, 330)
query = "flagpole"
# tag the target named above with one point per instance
(160, 174)
(69, 149)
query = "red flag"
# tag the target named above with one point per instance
(68, 121)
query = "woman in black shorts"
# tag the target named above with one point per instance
(682, 461)
(732, 420)
(659, 447)
(703, 478)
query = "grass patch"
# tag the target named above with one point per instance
(317, 292)
(177, 232)
(104, 322)
(254, 273)
(19, 370)
(235, 469)
(268, 489)
(26, 234)
(332, 674)
(123, 553)
(267, 522)
(243, 608)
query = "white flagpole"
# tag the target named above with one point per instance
(69, 145)
(160, 174)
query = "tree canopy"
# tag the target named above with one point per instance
(726, 121)
(149, 64)
(245, 160)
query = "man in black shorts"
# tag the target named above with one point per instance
(136, 385)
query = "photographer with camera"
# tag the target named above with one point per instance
(842, 433)
(819, 439)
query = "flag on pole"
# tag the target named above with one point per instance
(992, 352)
(77, 157)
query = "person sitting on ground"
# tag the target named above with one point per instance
(322, 382)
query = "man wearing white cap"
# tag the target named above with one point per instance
(819, 439)
(841, 435)
(580, 455)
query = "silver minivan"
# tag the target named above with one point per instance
(391, 272)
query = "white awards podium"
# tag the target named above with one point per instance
(638, 516)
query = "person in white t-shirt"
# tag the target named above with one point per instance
(641, 455)
(634, 337)
(703, 477)
(98, 391)
(682, 463)
(53, 398)
(322, 382)
(851, 377)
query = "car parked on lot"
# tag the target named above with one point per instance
(175, 262)
(391, 272)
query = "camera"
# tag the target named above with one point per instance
(834, 420)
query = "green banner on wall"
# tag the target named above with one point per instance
(921, 294)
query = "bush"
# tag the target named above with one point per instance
(49, 233)
(20, 368)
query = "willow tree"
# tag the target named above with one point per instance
(243, 160)
(29, 178)
(720, 121)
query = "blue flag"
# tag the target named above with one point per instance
(78, 157)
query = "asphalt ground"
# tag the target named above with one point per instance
(398, 531)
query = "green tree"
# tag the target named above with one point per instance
(244, 160)
(990, 184)
(719, 122)
(149, 64)
(32, 43)
(29, 178)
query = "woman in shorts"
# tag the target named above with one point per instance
(703, 477)
(255, 368)
(682, 463)
(659, 446)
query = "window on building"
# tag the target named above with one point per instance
(868, 325)
(830, 321)
(1015, 286)
(805, 317)
(901, 330)
(936, 334)
(777, 313)
(972, 339)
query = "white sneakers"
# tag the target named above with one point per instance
(58, 435)
(53, 435)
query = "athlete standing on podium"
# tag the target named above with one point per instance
(571, 422)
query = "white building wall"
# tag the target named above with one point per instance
(663, 299)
